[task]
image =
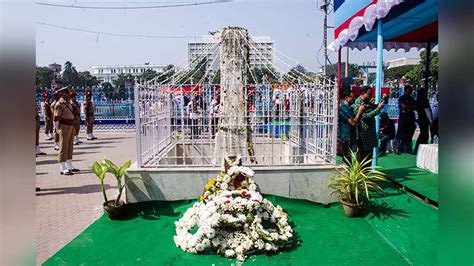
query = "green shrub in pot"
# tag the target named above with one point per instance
(353, 182)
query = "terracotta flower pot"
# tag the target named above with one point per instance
(350, 209)
(114, 211)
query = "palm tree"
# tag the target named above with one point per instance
(70, 75)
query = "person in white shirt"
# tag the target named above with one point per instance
(215, 105)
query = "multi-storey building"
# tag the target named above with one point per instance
(110, 73)
(261, 55)
(404, 61)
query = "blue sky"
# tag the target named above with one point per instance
(295, 25)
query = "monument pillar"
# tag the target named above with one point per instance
(231, 139)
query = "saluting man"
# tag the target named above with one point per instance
(48, 117)
(89, 114)
(76, 109)
(64, 125)
(53, 104)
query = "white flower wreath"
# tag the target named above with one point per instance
(230, 217)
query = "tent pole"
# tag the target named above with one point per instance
(339, 75)
(378, 83)
(427, 67)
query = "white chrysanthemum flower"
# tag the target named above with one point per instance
(268, 246)
(229, 253)
(239, 249)
(224, 186)
(252, 187)
(226, 178)
(274, 235)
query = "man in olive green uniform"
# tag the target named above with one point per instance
(89, 114)
(64, 125)
(76, 109)
(38, 150)
(48, 117)
(53, 104)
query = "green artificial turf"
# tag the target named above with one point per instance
(402, 169)
(323, 236)
(407, 223)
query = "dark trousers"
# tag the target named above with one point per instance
(434, 130)
(214, 123)
(365, 154)
(344, 148)
(193, 123)
(384, 139)
(424, 135)
(403, 139)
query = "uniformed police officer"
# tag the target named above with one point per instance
(53, 104)
(48, 117)
(64, 125)
(89, 114)
(76, 109)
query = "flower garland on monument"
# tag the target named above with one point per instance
(233, 218)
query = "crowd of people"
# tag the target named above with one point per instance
(62, 121)
(357, 123)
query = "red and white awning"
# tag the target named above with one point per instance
(372, 12)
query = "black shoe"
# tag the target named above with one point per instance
(41, 153)
(68, 172)
(38, 189)
(74, 170)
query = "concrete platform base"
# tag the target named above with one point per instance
(179, 183)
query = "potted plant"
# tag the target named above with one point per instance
(353, 181)
(114, 208)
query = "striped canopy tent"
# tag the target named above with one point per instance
(406, 24)
(385, 24)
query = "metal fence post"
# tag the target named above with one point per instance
(138, 138)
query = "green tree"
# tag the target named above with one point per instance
(297, 74)
(217, 77)
(354, 70)
(396, 73)
(259, 73)
(120, 91)
(149, 74)
(167, 73)
(69, 76)
(44, 76)
(86, 79)
(417, 74)
(195, 74)
(107, 89)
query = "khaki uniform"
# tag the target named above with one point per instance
(64, 114)
(56, 134)
(89, 114)
(76, 109)
(48, 118)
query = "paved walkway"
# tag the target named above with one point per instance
(66, 205)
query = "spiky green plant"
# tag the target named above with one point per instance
(355, 179)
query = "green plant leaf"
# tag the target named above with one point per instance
(96, 169)
(124, 168)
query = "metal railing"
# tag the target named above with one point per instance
(284, 125)
(104, 110)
